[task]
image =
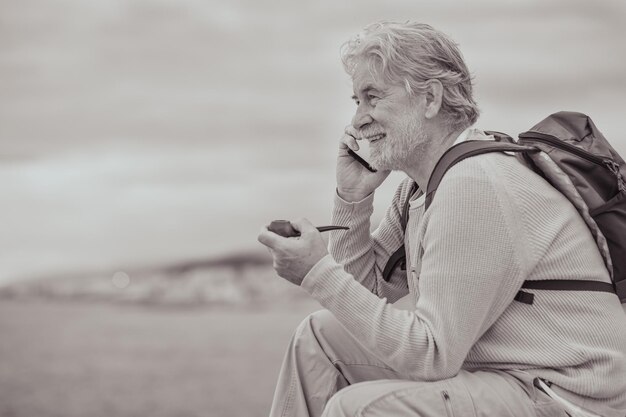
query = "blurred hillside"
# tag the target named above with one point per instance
(243, 280)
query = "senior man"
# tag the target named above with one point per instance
(445, 336)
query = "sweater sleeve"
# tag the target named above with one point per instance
(364, 255)
(470, 273)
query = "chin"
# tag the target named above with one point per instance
(380, 161)
(383, 165)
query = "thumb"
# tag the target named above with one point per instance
(269, 238)
(303, 226)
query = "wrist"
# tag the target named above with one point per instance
(351, 196)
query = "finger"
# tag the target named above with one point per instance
(351, 131)
(269, 238)
(303, 226)
(350, 141)
(350, 138)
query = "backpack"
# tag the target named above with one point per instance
(569, 152)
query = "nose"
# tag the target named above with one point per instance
(362, 117)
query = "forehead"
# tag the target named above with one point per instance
(364, 78)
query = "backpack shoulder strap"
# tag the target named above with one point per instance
(463, 150)
(404, 218)
(399, 256)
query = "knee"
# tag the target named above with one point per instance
(321, 323)
(319, 330)
(322, 319)
(345, 403)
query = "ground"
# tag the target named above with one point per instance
(82, 359)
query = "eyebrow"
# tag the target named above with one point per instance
(366, 89)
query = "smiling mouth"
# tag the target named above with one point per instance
(375, 138)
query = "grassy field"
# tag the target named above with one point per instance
(79, 359)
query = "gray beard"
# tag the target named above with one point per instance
(400, 150)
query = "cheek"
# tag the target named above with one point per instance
(382, 116)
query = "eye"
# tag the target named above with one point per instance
(372, 97)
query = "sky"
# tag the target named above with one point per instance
(139, 133)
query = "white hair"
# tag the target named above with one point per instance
(410, 54)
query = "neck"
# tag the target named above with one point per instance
(423, 163)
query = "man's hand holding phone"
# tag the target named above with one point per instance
(354, 180)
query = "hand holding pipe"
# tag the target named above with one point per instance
(284, 228)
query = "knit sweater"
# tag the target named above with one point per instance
(492, 225)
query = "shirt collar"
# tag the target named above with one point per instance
(463, 136)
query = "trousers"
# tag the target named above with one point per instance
(327, 372)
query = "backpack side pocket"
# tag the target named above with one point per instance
(611, 219)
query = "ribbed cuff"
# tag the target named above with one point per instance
(347, 213)
(338, 199)
(320, 269)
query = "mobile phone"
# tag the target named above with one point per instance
(362, 154)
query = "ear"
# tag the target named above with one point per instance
(434, 96)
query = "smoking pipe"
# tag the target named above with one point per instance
(286, 229)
